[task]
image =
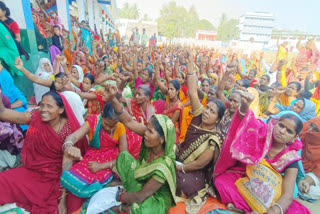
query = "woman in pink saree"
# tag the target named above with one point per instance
(250, 141)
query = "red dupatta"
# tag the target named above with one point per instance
(42, 149)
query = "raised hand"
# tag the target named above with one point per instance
(110, 92)
(246, 98)
(18, 63)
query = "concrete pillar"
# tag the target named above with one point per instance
(64, 13)
(21, 12)
(81, 10)
(97, 12)
(91, 14)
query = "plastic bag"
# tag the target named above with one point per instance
(262, 186)
(103, 200)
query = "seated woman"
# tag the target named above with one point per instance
(77, 74)
(304, 107)
(205, 95)
(107, 138)
(290, 93)
(173, 107)
(149, 182)
(252, 142)
(140, 107)
(35, 185)
(232, 102)
(11, 141)
(17, 99)
(200, 150)
(45, 71)
(309, 186)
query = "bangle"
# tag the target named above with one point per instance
(121, 196)
(66, 144)
(278, 205)
(241, 113)
(118, 113)
(184, 172)
(120, 208)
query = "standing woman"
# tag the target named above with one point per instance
(5, 17)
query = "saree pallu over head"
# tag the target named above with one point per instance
(311, 147)
(42, 149)
(164, 166)
(40, 90)
(198, 140)
(249, 140)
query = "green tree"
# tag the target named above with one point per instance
(228, 29)
(176, 21)
(129, 12)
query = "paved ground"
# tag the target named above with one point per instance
(313, 207)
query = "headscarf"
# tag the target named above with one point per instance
(308, 111)
(40, 90)
(169, 155)
(42, 151)
(43, 32)
(58, 23)
(76, 105)
(215, 76)
(311, 147)
(80, 75)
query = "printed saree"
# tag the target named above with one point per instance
(135, 173)
(103, 148)
(193, 185)
(247, 143)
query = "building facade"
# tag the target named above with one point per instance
(256, 26)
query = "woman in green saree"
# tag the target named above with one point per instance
(150, 181)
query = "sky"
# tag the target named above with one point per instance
(303, 15)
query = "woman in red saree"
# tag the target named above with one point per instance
(140, 107)
(172, 106)
(35, 186)
(107, 139)
(250, 141)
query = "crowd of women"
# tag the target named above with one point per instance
(180, 129)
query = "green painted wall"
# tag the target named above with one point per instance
(28, 42)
